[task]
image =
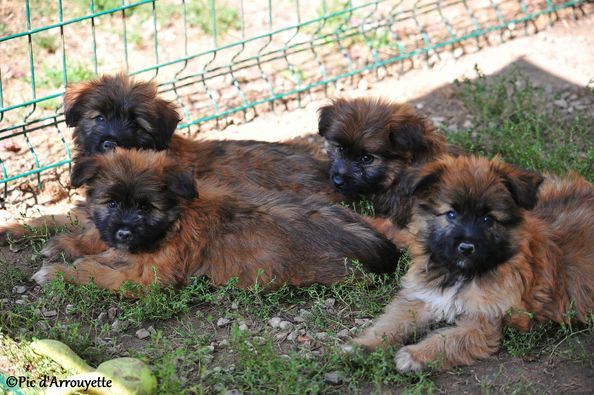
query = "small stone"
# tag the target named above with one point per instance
(467, 124)
(334, 378)
(330, 302)
(298, 319)
(274, 322)
(292, 336)
(285, 325)
(234, 306)
(452, 127)
(49, 313)
(152, 330)
(223, 322)
(259, 340)
(70, 309)
(321, 336)
(223, 343)
(4, 301)
(419, 106)
(119, 326)
(233, 392)
(561, 103)
(142, 333)
(112, 313)
(343, 334)
(42, 325)
(19, 289)
(102, 316)
(243, 327)
(362, 321)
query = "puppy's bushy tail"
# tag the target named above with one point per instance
(363, 243)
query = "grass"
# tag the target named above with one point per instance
(190, 354)
(511, 121)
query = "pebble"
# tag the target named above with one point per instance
(223, 322)
(112, 313)
(19, 289)
(102, 316)
(152, 330)
(274, 322)
(561, 103)
(333, 378)
(119, 326)
(419, 106)
(292, 336)
(243, 327)
(321, 336)
(142, 333)
(233, 392)
(343, 334)
(285, 325)
(362, 321)
(330, 302)
(49, 313)
(467, 124)
(234, 306)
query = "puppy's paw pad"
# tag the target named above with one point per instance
(405, 362)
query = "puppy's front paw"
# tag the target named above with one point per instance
(44, 275)
(406, 361)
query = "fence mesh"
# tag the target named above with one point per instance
(217, 58)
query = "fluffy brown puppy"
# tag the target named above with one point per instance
(118, 111)
(371, 142)
(482, 259)
(145, 206)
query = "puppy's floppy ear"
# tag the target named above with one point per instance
(522, 184)
(84, 171)
(167, 119)
(408, 134)
(326, 115)
(181, 183)
(419, 180)
(74, 100)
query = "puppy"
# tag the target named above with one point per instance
(145, 207)
(118, 111)
(371, 142)
(485, 253)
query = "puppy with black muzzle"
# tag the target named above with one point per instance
(486, 253)
(119, 111)
(145, 207)
(371, 143)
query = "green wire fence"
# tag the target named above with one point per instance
(216, 58)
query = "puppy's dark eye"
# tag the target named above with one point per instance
(451, 215)
(367, 159)
(100, 118)
(340, 148)
(112, 204)
(488, 220)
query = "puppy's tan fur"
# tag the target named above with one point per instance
(549, 278)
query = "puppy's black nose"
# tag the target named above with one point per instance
(123, 234)
(338, 180)
(108, 145)
(466, 248)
